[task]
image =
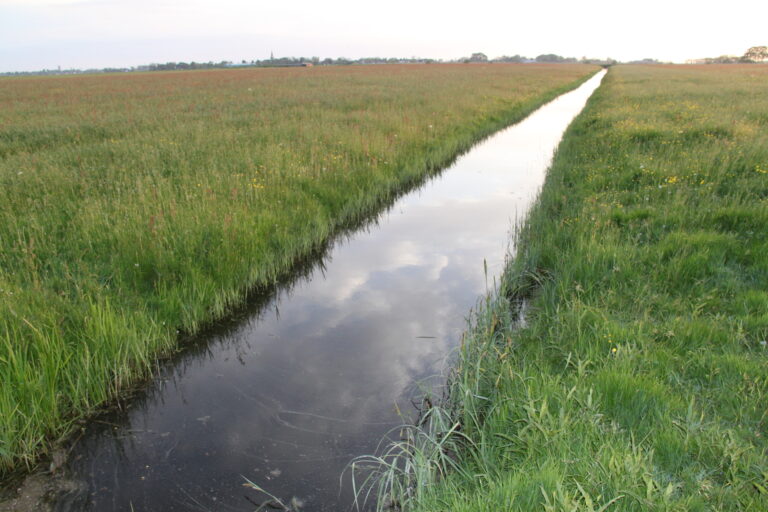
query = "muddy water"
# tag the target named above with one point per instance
(318, 372)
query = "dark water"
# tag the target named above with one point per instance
(316, 374)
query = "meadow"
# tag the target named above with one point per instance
(137, 208)
(639, 378)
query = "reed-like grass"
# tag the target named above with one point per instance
(640, 380)
(135, 206)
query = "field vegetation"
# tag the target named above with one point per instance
(135, 207)
(639, 380)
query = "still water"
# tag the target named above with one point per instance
(315, 373)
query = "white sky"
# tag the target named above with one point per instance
(36, 34)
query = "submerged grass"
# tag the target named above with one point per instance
(136, 206)
(640, 380)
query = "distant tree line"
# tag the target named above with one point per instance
(60, 71)
(645, 61)
(754, 55)
(343, 61)
(477, 57)
(284, 62)
(171, 66)
(548, 58)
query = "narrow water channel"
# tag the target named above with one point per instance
(316, 374)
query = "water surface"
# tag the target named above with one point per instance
(316, 373)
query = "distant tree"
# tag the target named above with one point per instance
(549, 57)
(507, 58)
(756, 54)
(478, 57)
(723, 59)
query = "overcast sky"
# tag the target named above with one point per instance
(37, 34)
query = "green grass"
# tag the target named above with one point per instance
(136, 206)
(640, 380)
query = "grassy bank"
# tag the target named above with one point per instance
(640, 381)
(135, 206)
